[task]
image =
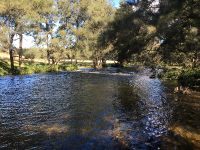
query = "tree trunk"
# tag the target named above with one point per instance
(103, 62)
(53, 61)
(195, 59)
(95, 63)
(12, 67)
(100, 64)
(48, 52)
(76, 61)
(48, 57)
(20, 49)
(71, 56)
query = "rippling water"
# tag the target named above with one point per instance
(94, 111)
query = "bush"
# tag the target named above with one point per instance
(30, 68)
(4, 68)
(26, 70)
(171, 74)
(33, 53)
(3, 72)
(53, 68)
(68, 67)
(29, 54)
(190, 78)
(40, 68)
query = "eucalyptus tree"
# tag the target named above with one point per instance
(178, 27)
(72, 16)
(45, 22)
(100, 14)
(131, 31)
(11, 15)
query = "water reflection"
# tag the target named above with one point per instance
(143, 113)
(90, 111)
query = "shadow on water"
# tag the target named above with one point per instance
(94, 111)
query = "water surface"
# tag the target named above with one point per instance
(95, 111)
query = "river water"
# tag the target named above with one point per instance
(87, 111)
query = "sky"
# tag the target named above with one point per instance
(116, 3)
(28, 41)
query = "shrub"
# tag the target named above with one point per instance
(171, 74)
(68, 67)
(26, 70)
(29, 54)
(190, 78)
(53, 68)
(4, 68)
(3, 72)
(33, 53)
(40, 68)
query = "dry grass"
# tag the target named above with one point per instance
(187, 133)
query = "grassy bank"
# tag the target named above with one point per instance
(187, 78)
(31, 68)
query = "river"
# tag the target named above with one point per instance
(74, 110)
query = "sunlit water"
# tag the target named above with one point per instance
(93, 111)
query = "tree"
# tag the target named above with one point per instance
(73, 15)
(45, 13)
(99, 15)
(131, 30)
(178, 28)
(11, 13)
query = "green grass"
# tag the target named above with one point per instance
(68, 67)
(4, 68)
(42, 68)
(32, 68)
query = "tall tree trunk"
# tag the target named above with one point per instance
(103, 62)
(71, 56)
(48, 57)
(76, 61)
(20, 49)
(12, 67)
(48, 52)
(95, 63)
(195, 59)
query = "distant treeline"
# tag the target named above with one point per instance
(147, 32)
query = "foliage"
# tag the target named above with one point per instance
(42, 68)
(68, 67)
(26, 70)
(178, 28)
(33, 53)
(171, 74)
(138, 32)
(129, 32)
(3, 72)
(18, 18)
(190, 78)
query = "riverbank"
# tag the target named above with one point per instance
(188, 80)
(32, 68)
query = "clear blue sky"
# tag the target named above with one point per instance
(116, 3)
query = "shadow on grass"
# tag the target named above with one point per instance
(4, 68)
(4, 65)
